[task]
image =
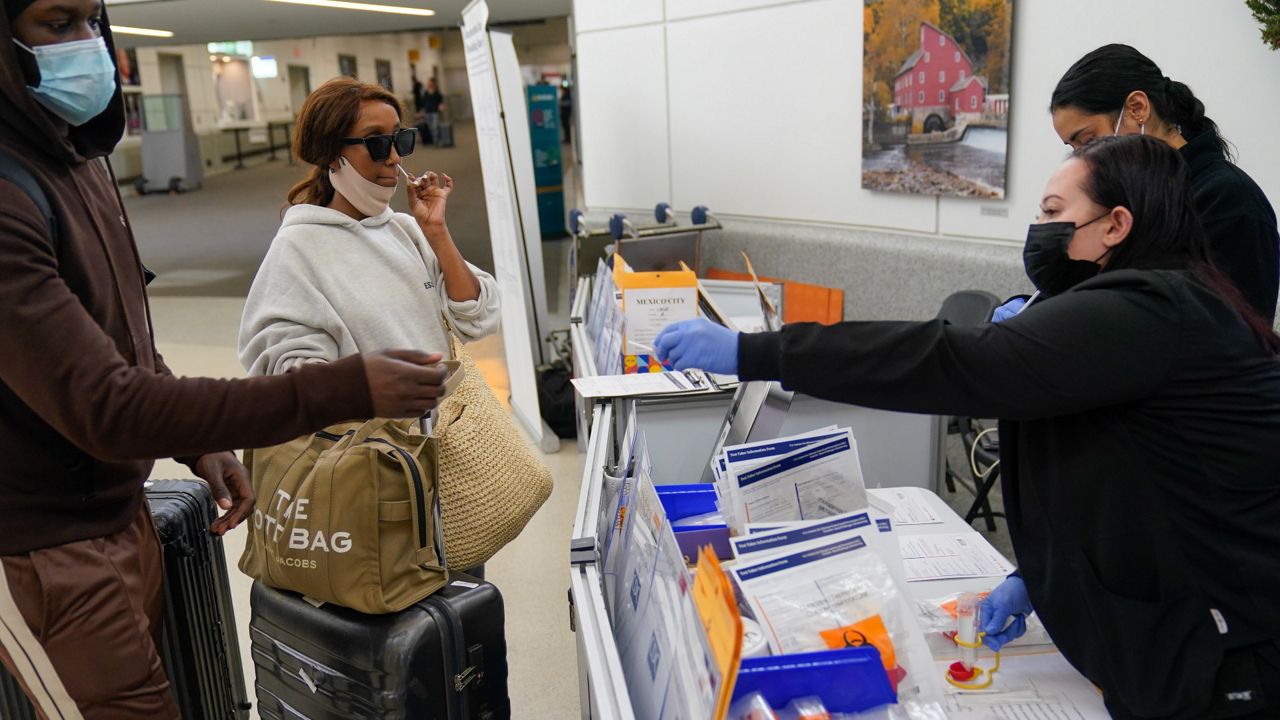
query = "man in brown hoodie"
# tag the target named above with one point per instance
(86, 402)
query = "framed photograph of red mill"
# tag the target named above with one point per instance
(935, 96)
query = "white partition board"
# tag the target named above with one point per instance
(507, 235)
(622, 93)
(765, 118)
(685, 9)
(589, 15)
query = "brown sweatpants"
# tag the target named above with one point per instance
(80, 625)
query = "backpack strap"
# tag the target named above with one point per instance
(18, 174)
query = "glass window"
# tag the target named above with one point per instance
(942, 96)
(927, 56)
(973, 102)
(921, 77)
(942, 76)
(942, 41)
(957, 56)
(921, 96)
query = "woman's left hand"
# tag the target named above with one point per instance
(428, 197)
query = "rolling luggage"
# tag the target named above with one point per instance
(13, 704)
(444, 657)
(445, 135)
(199, 648)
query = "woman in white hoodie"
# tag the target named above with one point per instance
(345, 274)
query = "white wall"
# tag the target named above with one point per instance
(751, 106)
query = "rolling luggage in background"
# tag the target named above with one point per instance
(199, 648)
(444, 137)
(445, 657)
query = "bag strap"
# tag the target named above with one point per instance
(457, 373)
(18, 174)
(415, 479)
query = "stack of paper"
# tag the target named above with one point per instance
(604, 321)
(802, 477)
(666, 653)
(630, 385)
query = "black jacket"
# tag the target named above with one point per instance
(1240, 223)
(1140, 460)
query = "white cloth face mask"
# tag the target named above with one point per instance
(365, 195)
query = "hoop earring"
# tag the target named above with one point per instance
(1142, 128)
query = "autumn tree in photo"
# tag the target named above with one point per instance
(891, 31)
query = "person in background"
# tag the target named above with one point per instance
(1139, 406)
(432, 106)
(1116, 90)
(86, 402)
(417, 94)
(566, 111)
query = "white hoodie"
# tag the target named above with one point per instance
(332, 286)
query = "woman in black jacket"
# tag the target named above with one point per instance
(1118, 90)
(1140, 435)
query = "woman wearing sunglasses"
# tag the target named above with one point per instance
(345, 273)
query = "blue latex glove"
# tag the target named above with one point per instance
(699, 344)
(1008, 310)
(1004, 612)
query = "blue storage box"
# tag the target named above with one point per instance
(848, 681)
(682, 501)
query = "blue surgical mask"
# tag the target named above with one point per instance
(77, 79)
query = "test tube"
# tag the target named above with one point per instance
(967, 628)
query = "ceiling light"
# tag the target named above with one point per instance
(367, 7)
(126, 30)
(213, 58)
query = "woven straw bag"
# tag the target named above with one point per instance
(491, 482)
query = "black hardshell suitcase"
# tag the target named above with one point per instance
(13, 703)
(199, 647)
(445, 657)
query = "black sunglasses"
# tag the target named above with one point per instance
(380, 145)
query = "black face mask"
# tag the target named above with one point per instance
(1045, 257)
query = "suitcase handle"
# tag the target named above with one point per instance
(317, 678)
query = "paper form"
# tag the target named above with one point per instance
(910, 505)
(663, 383)
(1040, 686)
(818, 481)
(960, 555)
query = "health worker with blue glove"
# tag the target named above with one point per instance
(1140, 435)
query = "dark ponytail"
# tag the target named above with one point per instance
(1101, 81)
(1150, 178)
